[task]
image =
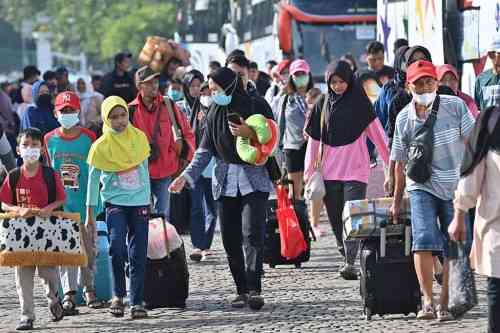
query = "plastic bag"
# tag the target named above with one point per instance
(156, 239)
(462, 285)
(291, 236)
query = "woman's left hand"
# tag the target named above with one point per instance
(242, 130)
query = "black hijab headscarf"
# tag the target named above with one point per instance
(217, 136)
(189, 77)
(193, 102)
(485, 137)
(347, 115)
(399, 64)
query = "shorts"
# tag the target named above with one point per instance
(428, 234)
(295, 159)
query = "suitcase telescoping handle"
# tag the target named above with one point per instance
(383, 238)
(408, 237)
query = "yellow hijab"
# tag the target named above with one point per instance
(114, 152)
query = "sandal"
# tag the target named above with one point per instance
(92, 302)
(69, 306)
(117, 308)
(138, 312)
(56, 311)
(427, 312)
(443, 314)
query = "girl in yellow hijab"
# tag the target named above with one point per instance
(118, 150)
(119, 173)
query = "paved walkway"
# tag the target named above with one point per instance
(311, 299)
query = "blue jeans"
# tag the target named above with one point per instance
(159, 189)
(128, 225)
(203, 214)
(427, 234)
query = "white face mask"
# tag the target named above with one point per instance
(29, 154)
(424, 99)
(206, 101)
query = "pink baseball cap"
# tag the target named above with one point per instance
(443, 69)
(299, 65)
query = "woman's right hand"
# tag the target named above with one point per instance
(177, 185)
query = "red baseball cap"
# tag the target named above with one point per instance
(420, 69)
(443, 69)
(284, 64)
(67, 99)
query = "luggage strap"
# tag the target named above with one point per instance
(165, 235)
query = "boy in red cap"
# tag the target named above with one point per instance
(433, 198)
(67, 150)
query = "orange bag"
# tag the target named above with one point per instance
(291, 236)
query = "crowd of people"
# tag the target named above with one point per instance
(128, 143)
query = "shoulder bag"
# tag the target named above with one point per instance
(419, 168)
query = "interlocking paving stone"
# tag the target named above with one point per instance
(311, 299)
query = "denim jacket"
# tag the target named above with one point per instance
(257, 175)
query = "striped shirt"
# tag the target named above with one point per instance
(453, 124)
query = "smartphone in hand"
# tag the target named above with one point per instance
(234, 118)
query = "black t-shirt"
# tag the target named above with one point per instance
(123, 86)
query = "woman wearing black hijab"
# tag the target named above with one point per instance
(348, 120)
(203, 215)
(241, 189)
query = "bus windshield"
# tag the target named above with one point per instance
(330, 7)
(323, 44)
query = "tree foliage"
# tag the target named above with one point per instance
(100, 28)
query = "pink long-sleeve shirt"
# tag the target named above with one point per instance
(350, 162)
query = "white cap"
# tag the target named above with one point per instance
(495, 44)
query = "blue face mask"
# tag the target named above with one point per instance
(68, 120)
(175, 95)
(221, 99)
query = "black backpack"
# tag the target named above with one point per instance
(48, 177)
(419, 168)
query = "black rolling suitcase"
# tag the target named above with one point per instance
(166, 283)
(389, 284)
(272, 242)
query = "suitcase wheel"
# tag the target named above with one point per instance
(272, 266)
(298, 265)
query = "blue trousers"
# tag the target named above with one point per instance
(203, 214)
(128, 225)
(159, 189)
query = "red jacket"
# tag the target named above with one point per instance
(168, 162)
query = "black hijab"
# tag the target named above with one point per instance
(217, 135)
(189, 77)
(399, 63)
(193, 102)
(411, 51)
(485, 137)
(347, 115)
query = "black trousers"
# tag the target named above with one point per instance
(337, 193)
(493, 305)
(242, 222)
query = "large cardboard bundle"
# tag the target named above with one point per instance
(158, 51)
(38, 241)
(362, 218)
